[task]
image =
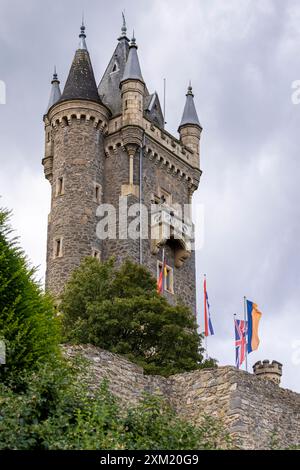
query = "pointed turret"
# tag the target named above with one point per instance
(132, 89)
(190, 128)
(55, 93)
(109, 87)
(81, 84)
(132, 69)
(190, 116)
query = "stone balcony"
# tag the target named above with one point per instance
(168, 225)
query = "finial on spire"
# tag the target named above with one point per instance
(82, 35)
(133, 41)
(190, 89)
(55, 77)
(124, 27)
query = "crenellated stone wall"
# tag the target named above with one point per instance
(257, 413)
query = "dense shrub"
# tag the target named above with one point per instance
(118, 309)
(27, 322)
(57, 411)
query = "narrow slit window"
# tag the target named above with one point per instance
(97, 193)
(58, 248)
(60, 186)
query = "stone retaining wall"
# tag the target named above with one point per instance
(257, 413)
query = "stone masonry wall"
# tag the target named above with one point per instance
(155, 176)
(79, 160)
(254, 411)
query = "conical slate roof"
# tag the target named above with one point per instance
(190, 115)
(109, 87)
(81, 83)
(55, 93)
(132, 69)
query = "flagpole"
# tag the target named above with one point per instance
(245, 319)
(234, 320)
(163, 271)
(205, 319)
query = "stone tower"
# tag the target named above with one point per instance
(108, 146)
(268, 371)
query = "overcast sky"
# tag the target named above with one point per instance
(242, 57)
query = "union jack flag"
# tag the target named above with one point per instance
(241, 327)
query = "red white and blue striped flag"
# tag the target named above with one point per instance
(240, 341)
(208, 328)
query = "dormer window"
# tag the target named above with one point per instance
(115, 68)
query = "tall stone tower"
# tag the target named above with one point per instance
(108, 146)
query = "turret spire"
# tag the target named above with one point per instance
(55, 93)
(82, 36)
(190, 116)
(81, 84)
(132, 69)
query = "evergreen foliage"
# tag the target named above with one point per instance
(118, 309)
(28, 325)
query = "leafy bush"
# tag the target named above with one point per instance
(118, 309)
(57, 411)
(27, 322)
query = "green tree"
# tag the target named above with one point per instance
(118, 309)
(28, 325)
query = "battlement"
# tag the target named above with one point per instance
(77, 111)
(162, 137)
(268, 371)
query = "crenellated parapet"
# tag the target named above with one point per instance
(267, 370)
(161, 156)
(77, 111)
(70, 113)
